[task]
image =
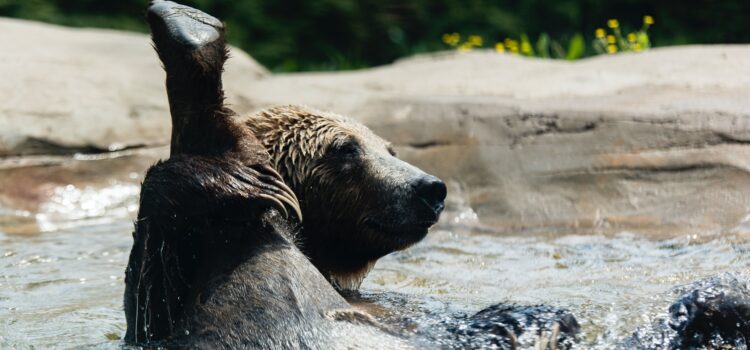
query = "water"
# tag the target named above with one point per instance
(61, 283)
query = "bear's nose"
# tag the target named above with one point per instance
(432, 191)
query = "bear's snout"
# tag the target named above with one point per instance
(432, 191)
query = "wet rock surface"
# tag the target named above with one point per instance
(655, 142)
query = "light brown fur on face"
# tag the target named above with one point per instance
(358, 200)
(296, 136)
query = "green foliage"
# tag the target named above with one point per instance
(289, 35)
(576, 47)
(542, 46)
(614, 41)
(604, 43)
(526, 48)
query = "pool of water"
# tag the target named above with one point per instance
(61, 283)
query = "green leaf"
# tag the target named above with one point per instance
(644, 40)
(558, 50)
(526, 48)
(542, 46)
(576, 47)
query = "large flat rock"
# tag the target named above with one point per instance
(66, 90)
(657, 142)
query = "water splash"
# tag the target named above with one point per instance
(71, 206)
(458, 210)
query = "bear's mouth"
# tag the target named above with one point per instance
(424, 224)
(406, 233)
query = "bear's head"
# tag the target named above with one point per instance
(359, 201)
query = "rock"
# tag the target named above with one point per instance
(86, 90)
(656, 142)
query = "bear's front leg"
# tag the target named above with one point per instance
(193, 208)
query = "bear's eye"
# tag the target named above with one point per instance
(348, 149)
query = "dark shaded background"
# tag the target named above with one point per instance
(293, 35)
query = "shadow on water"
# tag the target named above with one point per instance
(63, 287)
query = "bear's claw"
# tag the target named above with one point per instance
(185, 25)
(273, 189)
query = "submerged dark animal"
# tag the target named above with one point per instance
(518, 326)
(502, 326)
(713, 313)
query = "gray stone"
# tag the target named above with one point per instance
(86, 90)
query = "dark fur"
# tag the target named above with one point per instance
(502, 326)
(201, 123)
(713, 313)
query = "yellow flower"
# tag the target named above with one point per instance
(611, 39)
(499, 47)
(648, 20)
(475, 40)
(465, 47)
(637, 47)
(631, 37)
(600, 33)
(511, 45)
(611, 49)
(613, 23)
(451, 39)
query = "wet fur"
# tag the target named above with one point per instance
(713, 313)
(353, 191)
(214, 262)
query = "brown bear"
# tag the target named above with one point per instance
(215, 260)
(359, 201)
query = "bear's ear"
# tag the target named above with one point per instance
(192, 48)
